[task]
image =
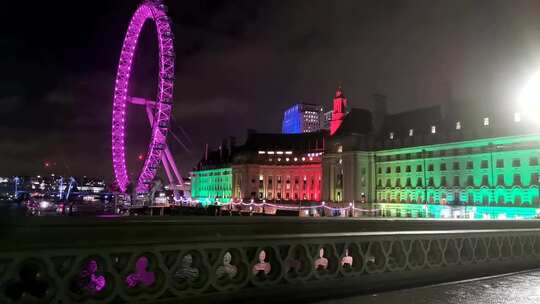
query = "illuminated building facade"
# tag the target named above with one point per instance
(302, 118)
(299, 180)
(279, 167)
(422, 158)
(209, 186)
(284, 167)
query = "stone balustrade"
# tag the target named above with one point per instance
(255, 259)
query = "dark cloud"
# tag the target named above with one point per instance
(241, 63)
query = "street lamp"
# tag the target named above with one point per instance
(529, 98)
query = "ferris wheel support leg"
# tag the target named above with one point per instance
(166, 156)
(167, 168)
(168, 163)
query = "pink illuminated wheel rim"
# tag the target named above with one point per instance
(155, 11)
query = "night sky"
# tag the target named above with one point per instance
(240, 64)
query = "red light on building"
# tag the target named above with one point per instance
(140, 157)
(339, 112)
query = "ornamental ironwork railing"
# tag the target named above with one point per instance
(254, 259)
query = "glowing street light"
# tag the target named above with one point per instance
(529, 98)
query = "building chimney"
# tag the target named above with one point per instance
(232, 144)
(379, 111)
(250, 132)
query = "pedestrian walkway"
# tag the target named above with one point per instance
(517, 288)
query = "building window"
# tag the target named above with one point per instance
(443, 167)
(470, 181)
(408, 169)
(456, 181)
(433, 129)
(391, 136)
(443, 181)
(534, 179)
(500, 180)
(408, 182)
(500, 163)
(419, 168)
(380, 170)
(458, 125)
(484, 164)
(516, 162)
(430, 167)
(517, 179)
(340, 149)
(419, 182)
(517, 117)
(455, 166)
(485, 180)
(398, 183)
(411, 132)
(533, 161)
(470, 165)
(398, 169)
(388, 183)
(486, 121)
(388, 170)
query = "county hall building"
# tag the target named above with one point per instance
(450, 160)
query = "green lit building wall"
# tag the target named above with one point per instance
(209, 185)
(482, 178)
(496, 171)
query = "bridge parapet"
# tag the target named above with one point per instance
(264, 260)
